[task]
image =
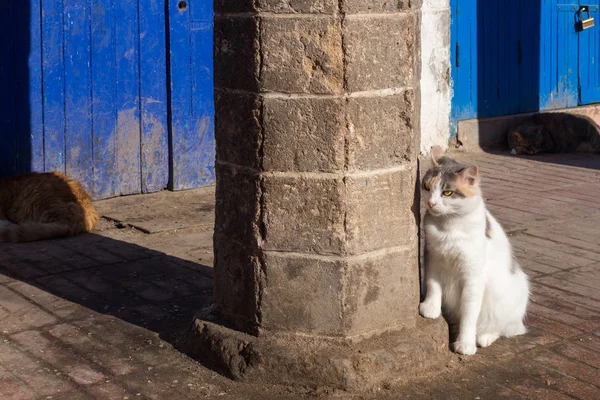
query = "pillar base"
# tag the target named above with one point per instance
(354, 365)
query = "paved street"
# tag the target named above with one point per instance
(98, 316)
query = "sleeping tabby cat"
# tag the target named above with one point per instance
(38, 206)
(555, 133)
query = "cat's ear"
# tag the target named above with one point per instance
(470, 174)
(436, 153)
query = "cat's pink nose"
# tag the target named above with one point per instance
(431, 203)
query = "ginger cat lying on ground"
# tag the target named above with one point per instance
(38, 206)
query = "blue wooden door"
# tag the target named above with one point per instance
(589, 58)
(520, 56)
(86, 91)
(191, 74)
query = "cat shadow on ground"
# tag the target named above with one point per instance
(110, 277)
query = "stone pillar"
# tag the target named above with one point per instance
(316, 242)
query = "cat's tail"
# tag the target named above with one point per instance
(33, 231)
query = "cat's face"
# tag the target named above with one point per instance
(527, 139)
(449, 187)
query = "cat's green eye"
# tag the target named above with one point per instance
(426, 186)
(447, 193)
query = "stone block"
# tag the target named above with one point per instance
(379, 211)
(303, 214)
(348, 297)
(381, 291)
(379, 51)
(234, 6)
(355, 215)
(299, 6)
(237, 128)
(381, 131)
(304, 135)
(237, 284)
(378, 6)
(301, 55)
(277, 6)
(236, 57)
(303, 294)
(237, 208)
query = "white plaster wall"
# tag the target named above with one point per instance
(436, 90)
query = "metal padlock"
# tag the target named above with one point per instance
(588, 22)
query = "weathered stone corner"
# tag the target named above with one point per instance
(346, 364)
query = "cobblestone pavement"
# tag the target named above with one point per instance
(97, 316)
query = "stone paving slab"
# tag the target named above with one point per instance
(98, 316)
(162, 211)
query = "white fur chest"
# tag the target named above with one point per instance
(453, 241)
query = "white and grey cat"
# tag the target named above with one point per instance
(470, 272)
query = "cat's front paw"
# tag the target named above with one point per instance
(465, 348)
(429, 310)
(486, 339)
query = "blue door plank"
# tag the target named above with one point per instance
(487, 63)
(104, 95)
(457, 85)
(153, 93)
(470, 38)
(495, 61)
(571, 38)
(127, 135)
(203, 110)
(548, 56)
(179, 48)
(53, 84)
(463, 54)
(587, 41)
(589, 60)
(503, 102)
(8, 143)
(28, 88)
(530, 53)
(192, 108)
(36, 101)
(78, 90)
(559, 90)
(511, 56)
